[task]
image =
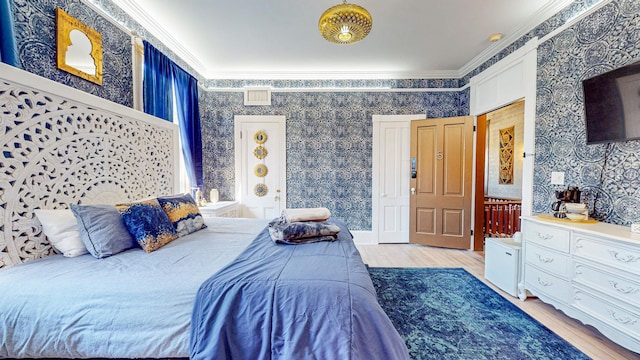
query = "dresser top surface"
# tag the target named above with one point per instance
(617, 232)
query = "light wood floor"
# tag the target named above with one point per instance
(585, 338)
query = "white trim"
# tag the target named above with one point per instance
(336, 89)
(332, 75)
(138, 14)
(526, 59)
(546, 12)
(101, 12)
(362, 237)
(375, 171)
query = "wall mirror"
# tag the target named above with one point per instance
(79, 48)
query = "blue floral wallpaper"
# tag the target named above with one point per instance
(329, 142)
(35, 24)
(607, 39)
(329, 134)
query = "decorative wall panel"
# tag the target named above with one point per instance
(507, 136)
(56, 151)
(607, 39)
(329, 142)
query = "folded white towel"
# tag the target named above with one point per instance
(305, 214)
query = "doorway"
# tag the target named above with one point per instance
(390, 183)
(499, 172)
(441, 182)
(261, 165)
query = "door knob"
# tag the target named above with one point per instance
(413, 191)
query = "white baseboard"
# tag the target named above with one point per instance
(361, 237)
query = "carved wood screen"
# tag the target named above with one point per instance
(59, 150)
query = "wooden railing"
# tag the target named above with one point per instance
(501, 216)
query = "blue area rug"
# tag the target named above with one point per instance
(449, 314)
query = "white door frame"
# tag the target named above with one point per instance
(376, 170)
(511, 79)
(280, 120)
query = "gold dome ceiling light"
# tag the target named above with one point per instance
(345, 23)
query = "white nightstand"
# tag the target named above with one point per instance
(220, 209)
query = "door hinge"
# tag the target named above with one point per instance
(474, 128)
(471, 232)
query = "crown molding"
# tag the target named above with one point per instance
(547, 11)
(142, 17)
(332, 75)
(148, 23)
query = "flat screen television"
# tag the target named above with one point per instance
(612, 105)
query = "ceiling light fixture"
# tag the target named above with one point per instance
(345, 23)
(495, 37)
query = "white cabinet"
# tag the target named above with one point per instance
(589, 271)
(502, 263)
(220, 209)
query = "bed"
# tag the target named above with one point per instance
(179, 300)
(130, 305)
(271, 302)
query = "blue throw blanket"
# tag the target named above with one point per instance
(293, 302)
(284, 232)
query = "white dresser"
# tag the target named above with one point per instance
(220, 209)
(589, 271)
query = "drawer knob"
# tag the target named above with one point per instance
(626, 320)
(543, 283)
(623, 258)
(627, 290)
(544, 236)
(545, 260)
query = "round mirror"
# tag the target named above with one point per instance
(260, 170)
(260, 152)
(260, 137)
(260, 190)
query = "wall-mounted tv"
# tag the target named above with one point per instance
(612, 105)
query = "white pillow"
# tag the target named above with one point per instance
(61, 228)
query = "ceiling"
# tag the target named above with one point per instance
(279, 39)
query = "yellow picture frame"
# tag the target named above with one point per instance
(87, 47)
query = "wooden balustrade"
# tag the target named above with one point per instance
(501, 216)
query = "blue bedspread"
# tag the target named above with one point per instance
(312, 301)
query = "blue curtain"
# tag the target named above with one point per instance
(161, 77)
(8, 48)
(156, 83)
(186, 87)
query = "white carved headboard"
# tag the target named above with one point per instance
(61, 146)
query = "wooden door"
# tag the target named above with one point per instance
(441, 165)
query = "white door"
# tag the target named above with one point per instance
(391, 173)
(260, 151)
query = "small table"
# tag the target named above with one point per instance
(220, 209)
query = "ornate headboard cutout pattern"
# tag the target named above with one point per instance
(61, 146)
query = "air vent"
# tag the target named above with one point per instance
(257, 96)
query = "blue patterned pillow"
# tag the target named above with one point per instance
(183, 213)
(148, 224)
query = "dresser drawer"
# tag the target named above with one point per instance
(622, 319)
(620, 288)
(546, 283)
(548, 260)
(546, 235)
(606, 252)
